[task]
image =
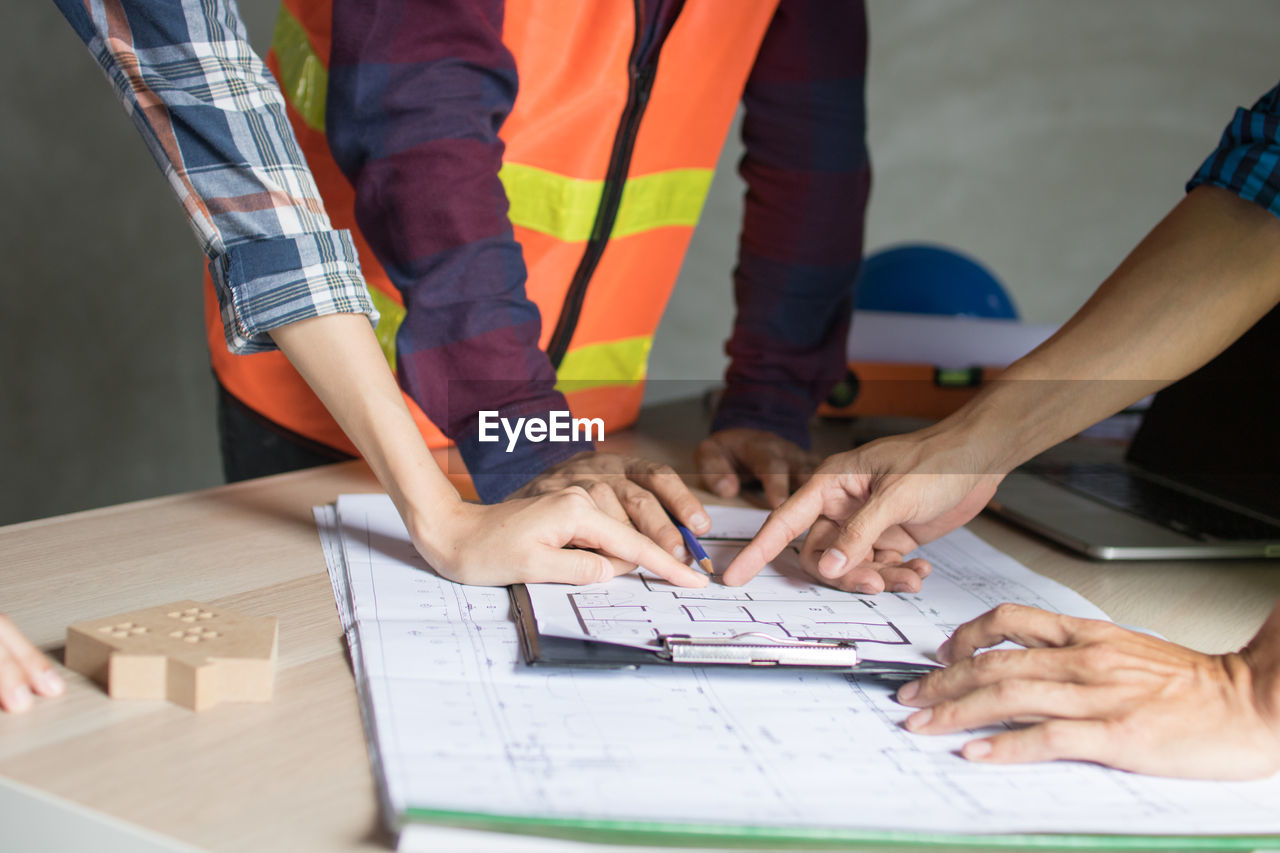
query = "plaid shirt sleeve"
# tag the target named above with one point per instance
(808, 178)
(1247, 159)
(214, 121)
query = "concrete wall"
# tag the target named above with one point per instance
(1042, 137)
(105, 388)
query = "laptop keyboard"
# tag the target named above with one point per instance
(1184, 513)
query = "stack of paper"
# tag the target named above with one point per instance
(463, 733)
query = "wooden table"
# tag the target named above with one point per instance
(294, 773)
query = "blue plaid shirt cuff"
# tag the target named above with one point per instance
(265, 284)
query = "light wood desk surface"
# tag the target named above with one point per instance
(294, 774)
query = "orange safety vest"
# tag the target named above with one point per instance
(572, 59)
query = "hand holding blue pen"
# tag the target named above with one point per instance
(695, 548)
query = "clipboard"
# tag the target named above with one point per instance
(753, 649)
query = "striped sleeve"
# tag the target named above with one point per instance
(214, 121)
(1247, 159)
(808, 178)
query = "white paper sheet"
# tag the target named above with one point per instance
(895, 337)
(459, 723)
(734, 522)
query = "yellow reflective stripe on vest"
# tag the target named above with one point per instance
(541, 200)
(565, 208)
(624, 362)
(303, 77)
(621, 362)
(392, 315)
(661, 200)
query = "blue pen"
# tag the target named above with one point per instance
(695, 548)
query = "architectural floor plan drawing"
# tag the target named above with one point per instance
(780, 602)
(639, 609)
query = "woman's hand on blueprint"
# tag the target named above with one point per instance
(866, 508)
(561, 537)
(24, 672)
(1093, 691)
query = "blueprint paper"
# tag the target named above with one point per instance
(458, 723)
(637, 609)
(970, 577)
(734, 522)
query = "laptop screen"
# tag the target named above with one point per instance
(1218, 430)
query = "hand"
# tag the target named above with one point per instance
(875, 504)
(631, 490)
(23, 670)
(548, 539)
(777, 464)
(883, 569)
(1097, 692)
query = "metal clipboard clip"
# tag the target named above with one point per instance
(758, 649)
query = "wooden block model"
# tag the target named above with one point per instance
(193, 654)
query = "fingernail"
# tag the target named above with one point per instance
(908, 691)
(901, 587)
(976, 749)
(919, 719)
(680, 554)
(50, 683)
(832, 562)
(724, 489)
(700, 521)
(944, 651)
(865, 589)
(19, 699)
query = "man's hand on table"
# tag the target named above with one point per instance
(23, 670)
(728, 457)
(866, 508)
(1094, 691)
(558, 537)
(631, 490)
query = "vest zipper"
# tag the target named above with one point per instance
(640, 84)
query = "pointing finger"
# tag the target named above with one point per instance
(784, 524)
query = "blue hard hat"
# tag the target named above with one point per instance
(925, 279)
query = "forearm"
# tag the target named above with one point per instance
(1198, 281)
(339, 357)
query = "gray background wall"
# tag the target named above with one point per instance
(1040, 136)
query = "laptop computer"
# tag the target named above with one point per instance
(1200, 479)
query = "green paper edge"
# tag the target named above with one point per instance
(657, 833)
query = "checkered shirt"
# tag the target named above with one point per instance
(214, 120)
